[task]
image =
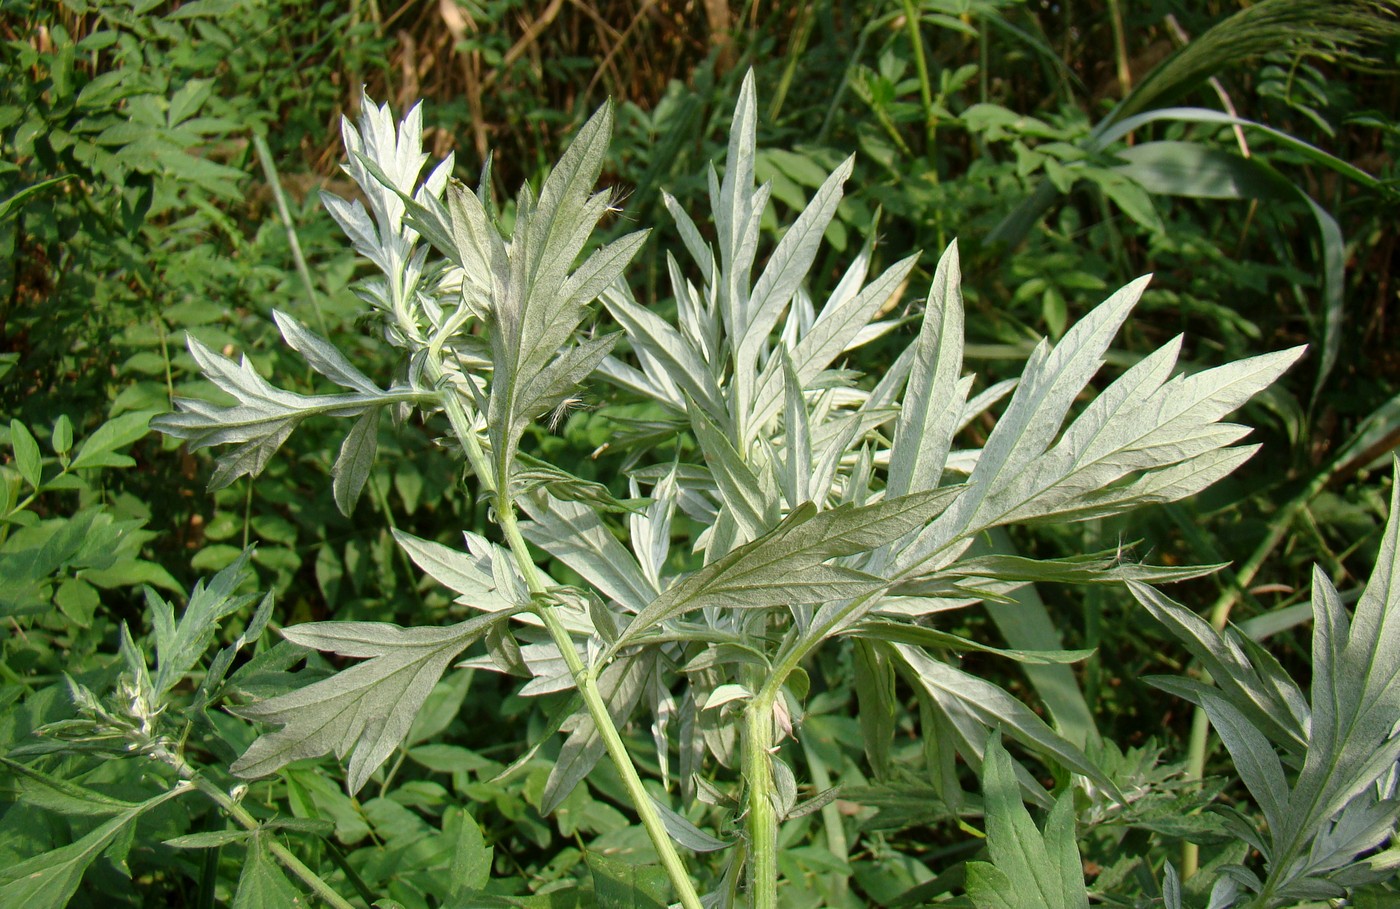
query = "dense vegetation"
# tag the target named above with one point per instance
(174, 174)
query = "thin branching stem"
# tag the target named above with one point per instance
(585, 678)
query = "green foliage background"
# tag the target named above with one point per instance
(159, 176)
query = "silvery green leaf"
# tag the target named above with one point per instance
(533, 474)
(1164, 431)
(601, 269)
(485, 578)
(262, 417)
(1051, 381)
(1355, 698)
(352, 465)
(935, 394)
(726, 694)
(322, 355)
(1365, 823)
(679, 361)
(787, 267)
(784, 788)
(733, 205)
(686, 834)
(1091, 568)
(476, 244)
(695, 244)
(923, 636)
(835, 332)
(1222, 657)
(542, 391)
(538, 304)
(651, 529)
(1171, 887)
(788, 565)
(740, 490)
(1225, 893)
(1253, 756)
(574, 533)
(797, 465)
(364, 711)
(995, 708)
(460, 572)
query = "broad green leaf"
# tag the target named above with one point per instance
(622, 885)
(49, 880)
(63, 796)
(15, 200)
(364, 711)
(788, 565)
(1028, 867)
(100, 449)
(62, 439)
(470, 867)
(262, 882)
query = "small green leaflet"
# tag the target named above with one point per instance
(364, 711)
(788, 565)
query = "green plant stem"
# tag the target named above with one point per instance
(246, 820)
(1120, 47)
(916, 41)
(762, 822)
(275, 184)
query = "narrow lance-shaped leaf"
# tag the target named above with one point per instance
(932, 405)
(788, 267)
(352, 466)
